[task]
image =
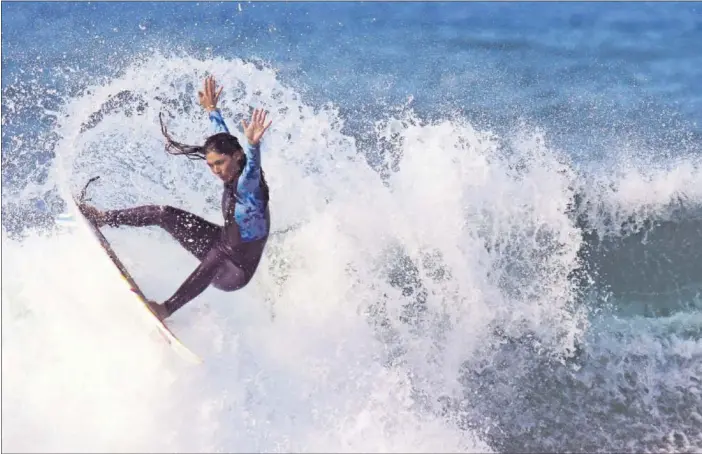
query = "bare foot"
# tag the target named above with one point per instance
(92, 214)
(159, 310)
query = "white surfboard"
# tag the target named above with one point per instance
(73, 217)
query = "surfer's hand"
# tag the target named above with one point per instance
(209, 96)
(254, 130)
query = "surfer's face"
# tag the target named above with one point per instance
(223, 166)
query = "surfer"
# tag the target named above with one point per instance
(228, 254)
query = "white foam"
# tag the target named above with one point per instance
(294, 362)
(309, 379)
(634, 186)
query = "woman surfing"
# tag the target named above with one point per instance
(228, 254)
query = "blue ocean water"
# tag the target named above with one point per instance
(508, 193)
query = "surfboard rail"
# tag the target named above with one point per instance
(166, 334)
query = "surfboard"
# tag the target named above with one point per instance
(74, 215)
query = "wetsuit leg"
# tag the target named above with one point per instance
(201, 278)
(194, 233)
(220, 269)
(230, 277)
(236, 273)
(225, 266)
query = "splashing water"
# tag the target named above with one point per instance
(415, 308)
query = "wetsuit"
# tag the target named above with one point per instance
(229, 254)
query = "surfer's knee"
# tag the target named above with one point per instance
(167, 210)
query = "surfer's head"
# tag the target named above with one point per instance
(225, 156)
(222, 152)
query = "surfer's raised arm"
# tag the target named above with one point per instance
(209, 97)
(251, 175)
(217, 123)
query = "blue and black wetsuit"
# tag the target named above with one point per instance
(229, 254)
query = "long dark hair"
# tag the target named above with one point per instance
(222, 143)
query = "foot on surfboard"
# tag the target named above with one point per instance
(159, 310)
(92, 214)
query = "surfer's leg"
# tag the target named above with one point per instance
(220, 270)
(215, 269)
(233, 275)
(230, 277)
(194, 233)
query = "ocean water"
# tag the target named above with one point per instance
(487, 227)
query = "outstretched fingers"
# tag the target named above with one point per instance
(257, 127)
(261, 119)
(213, 86)
(209, 96)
